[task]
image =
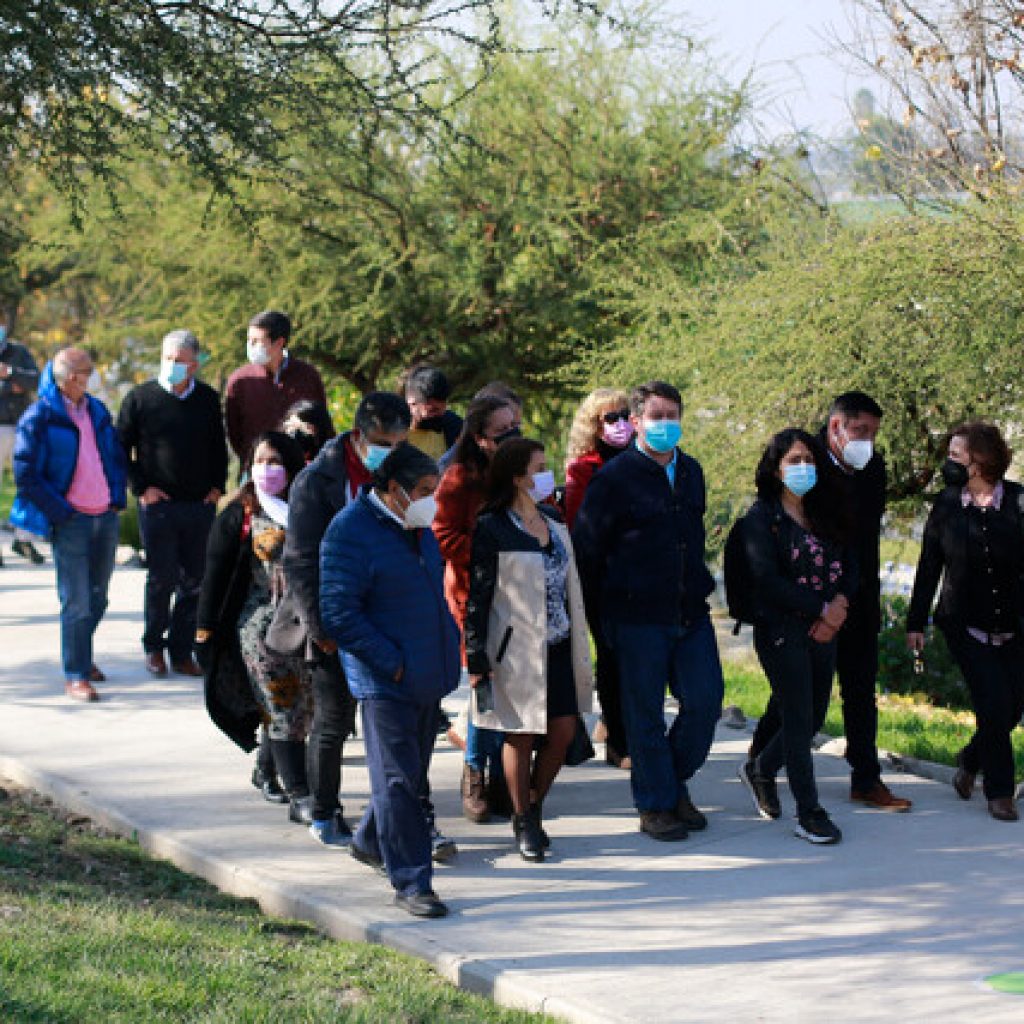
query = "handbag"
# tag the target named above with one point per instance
(580, 749)
(287, 633)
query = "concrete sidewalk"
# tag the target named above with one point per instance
(742, 923)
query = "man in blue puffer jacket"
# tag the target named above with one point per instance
(382, 601)
(70, 471)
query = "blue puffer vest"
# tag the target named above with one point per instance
(45, 454)
(382, 601)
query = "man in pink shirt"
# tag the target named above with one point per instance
(70, 470)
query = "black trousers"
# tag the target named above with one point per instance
(800, 673)
(995, 679)
(334, 711)
(857, 666)
(174, 534)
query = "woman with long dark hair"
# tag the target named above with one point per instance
(489, 422)
(526, 637)
(974, 541)
(241, 588)
(801, 576)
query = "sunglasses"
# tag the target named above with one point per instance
(614, 417)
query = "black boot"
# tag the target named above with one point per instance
(290, 762)
(528, 839)
(535, 811)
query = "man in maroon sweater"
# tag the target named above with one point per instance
(261, 392)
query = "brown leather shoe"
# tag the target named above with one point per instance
(474, 804)
(187, 668)
(1003, 809)
(80, 689)
(881, 798)
(155, 664)
(963, 783)
(96, 676)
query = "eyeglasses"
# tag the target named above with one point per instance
(614, 417)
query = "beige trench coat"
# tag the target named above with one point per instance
(517, 642)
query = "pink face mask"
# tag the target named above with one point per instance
(617, 434)
(269, 477)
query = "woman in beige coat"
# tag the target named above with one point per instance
(526, 634)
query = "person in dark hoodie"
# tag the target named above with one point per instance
(855, 472)
(71, 475)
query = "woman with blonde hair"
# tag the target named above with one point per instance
(600, 430)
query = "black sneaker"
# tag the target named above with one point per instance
(816, 827)
(27, 549)
(762, 791)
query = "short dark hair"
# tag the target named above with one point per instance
(407, 465)
(639, 395)
(467, 452)
(276, 324)
(427, 383)
(499, 389)
(854, 403)
(986, 447)
(510, 461)
(828, 516)
(384, 411)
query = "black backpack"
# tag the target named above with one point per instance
(739, 590)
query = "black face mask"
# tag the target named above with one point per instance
(954, 474)
(508, 435)
(307, 442)
(434, 424)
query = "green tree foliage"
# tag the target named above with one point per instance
(923, 313)
(475, 242)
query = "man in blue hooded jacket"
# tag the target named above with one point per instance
(70, 471)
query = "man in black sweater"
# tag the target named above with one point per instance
(173, 433)
(857, 474)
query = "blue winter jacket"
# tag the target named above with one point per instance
(45, 455)
(382, 601)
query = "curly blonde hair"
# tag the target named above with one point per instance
(586, 424)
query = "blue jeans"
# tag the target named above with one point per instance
(483, 746)
(174, 533)
(83, 553)
(685, 658)
(399, 740)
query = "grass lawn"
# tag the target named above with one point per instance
(904, 727)
(91, 929)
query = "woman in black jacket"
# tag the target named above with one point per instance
(802, 574)
(974, 540)
(246, 682)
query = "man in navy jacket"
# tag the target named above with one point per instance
(639, 542)
(71, 472)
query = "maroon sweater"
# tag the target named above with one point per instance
(254, 401)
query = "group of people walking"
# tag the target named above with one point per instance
(378, 566)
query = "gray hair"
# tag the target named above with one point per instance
(181, 339)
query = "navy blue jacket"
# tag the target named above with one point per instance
(382, 601)
(639, 542)
(46, 453)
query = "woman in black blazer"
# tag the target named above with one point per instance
(974, 541)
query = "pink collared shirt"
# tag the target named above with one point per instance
(89, 491)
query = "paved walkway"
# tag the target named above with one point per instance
(741, 923)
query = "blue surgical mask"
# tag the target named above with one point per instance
(662, 435)
(800, 478)
(172, 374)
(375, 455)
(3, 334)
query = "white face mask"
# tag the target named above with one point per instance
(257, 352)
(543, 485)
(94, 383)
(857, 454)
(419, 514)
